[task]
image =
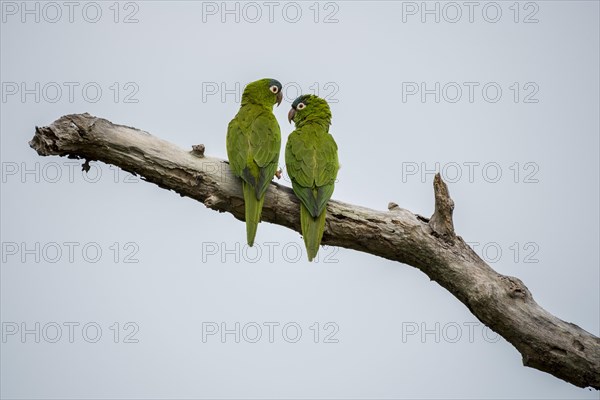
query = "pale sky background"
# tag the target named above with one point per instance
(539, 220)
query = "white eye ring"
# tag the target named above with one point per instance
(300, 106)
(274, 89)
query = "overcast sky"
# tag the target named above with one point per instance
(115, 288)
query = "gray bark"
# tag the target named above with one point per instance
(503, 303)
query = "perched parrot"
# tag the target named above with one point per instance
(253, 145)
(312, 163)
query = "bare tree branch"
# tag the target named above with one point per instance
(441, 221)
(503, 303)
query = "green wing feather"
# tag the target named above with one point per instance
(237, 147)
(253, 143)
(265, 144)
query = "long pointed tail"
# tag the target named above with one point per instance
(253, 210)
(312, 231)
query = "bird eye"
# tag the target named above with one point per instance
(300, 106)
(274, 89)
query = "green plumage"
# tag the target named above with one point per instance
(312, 164)
(253, 145)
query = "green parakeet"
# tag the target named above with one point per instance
(312, 163)
(253, 145)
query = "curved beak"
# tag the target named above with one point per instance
(279, 98)
(291, 115)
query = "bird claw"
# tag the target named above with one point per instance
(278, 173)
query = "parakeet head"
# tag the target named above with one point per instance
(309, 107)
(266, 92)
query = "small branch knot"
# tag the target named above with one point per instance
(85, 166)
(198, 150)
(211, 201)
(516, 288)
(441, 220)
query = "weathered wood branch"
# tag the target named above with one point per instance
(441, 221)
(503, 303)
